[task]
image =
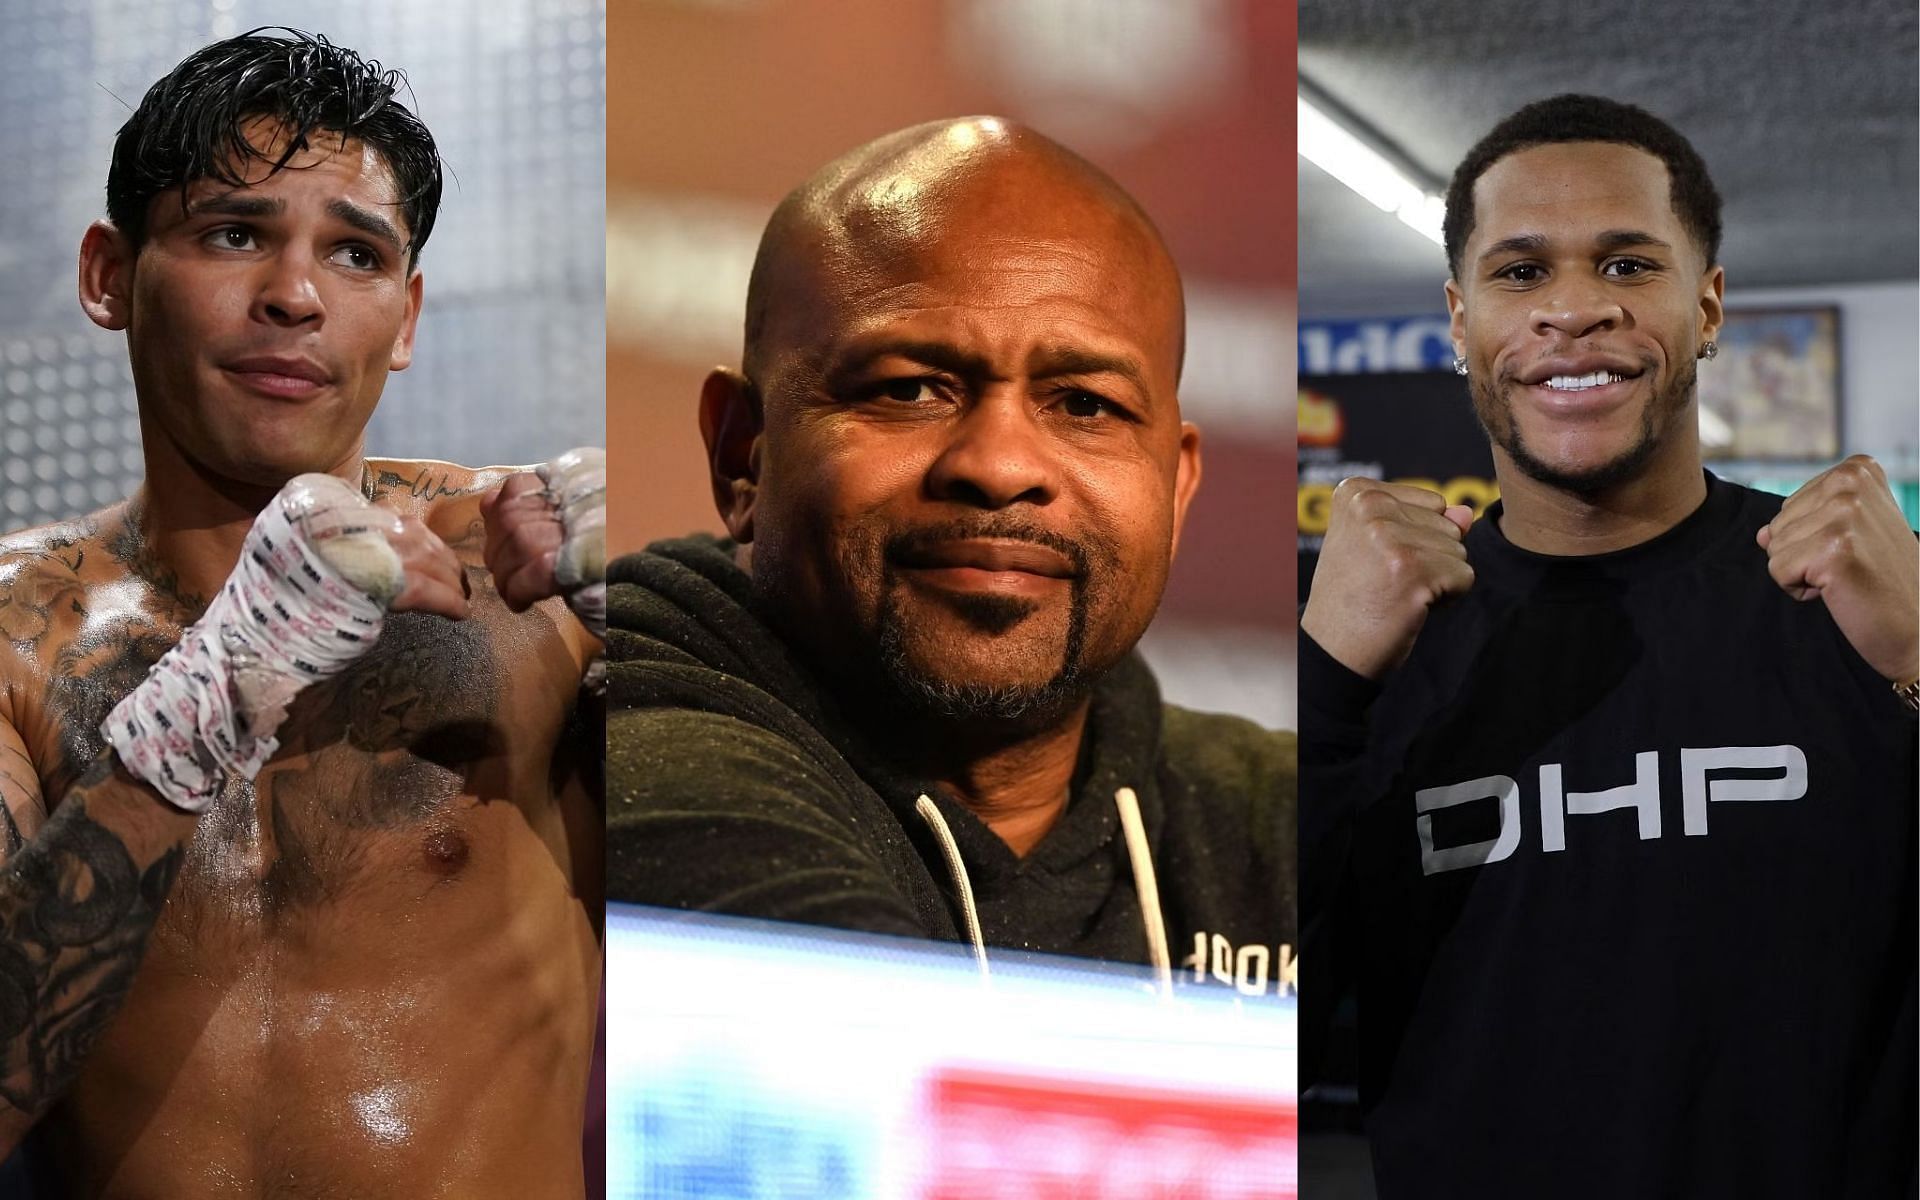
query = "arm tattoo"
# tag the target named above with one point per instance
(426, 485)
(76, 911)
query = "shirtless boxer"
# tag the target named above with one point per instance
(351, 952)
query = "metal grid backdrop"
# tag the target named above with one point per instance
(510, 365)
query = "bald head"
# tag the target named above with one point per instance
(887, 202)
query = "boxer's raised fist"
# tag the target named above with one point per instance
(1841, 539)
(524, 535)
(308, 596)
(546, 535)
(1391, 552)
(435, 582)
(396, 560)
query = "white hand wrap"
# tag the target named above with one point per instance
(307, 598)
(577, 486)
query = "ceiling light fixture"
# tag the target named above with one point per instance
(1341, 153)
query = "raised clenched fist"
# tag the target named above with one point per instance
(435, 582)
(1391, 552)
(309, 595)
(1841, 539)
(546, 536)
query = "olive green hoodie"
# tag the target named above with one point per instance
(735, 786)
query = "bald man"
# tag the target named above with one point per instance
(902, 696)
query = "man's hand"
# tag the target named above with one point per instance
(396, 560)
(1391, 552)
(316, 576)
(434, 580)
(546, 536)
(1841, 538)
(524, 536)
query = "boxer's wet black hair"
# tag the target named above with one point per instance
(1577, 118)
(192, 124)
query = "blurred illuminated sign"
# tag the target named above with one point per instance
(749, 1059)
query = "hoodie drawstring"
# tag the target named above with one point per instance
(1146, 887)
(950, 850)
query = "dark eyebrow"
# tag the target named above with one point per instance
(1071, 360)
(1045, 363)
(234, 204)
(1612, 239)
(1623, 239)
(938, 355)
(1526, 243)
(370, 223)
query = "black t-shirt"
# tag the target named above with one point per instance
(1621, 863)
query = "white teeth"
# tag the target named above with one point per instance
(1575, 383)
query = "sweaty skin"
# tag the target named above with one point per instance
(376, 972)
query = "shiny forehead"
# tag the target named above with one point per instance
(977, 178)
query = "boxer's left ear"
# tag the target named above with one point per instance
(1713, 313)
(402, 356)
(731, 421)
(106, 276)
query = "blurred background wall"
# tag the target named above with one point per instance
(509, 365)
(719, 108)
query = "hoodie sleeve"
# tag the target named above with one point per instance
(708, 812)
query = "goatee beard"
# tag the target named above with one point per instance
(1024, 704)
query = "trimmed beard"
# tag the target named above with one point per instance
(1036, 704)
(1489, 404)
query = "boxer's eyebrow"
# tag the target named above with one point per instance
(938, 355)
(1526, 243)
(1044, 362)
(232, 204)
(370, 223)
(1073, 360)
(1627, 239)
(1612, 239)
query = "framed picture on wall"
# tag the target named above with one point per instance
(1773, 391)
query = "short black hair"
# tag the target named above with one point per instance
(191, 124)
(1577, 118)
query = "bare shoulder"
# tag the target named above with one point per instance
(23, 547)
(50, 566)
(48, 577)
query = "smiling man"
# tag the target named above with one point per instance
(901, 696)
(1609, 808)
(301, 867)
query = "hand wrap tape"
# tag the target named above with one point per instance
(286, 618)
